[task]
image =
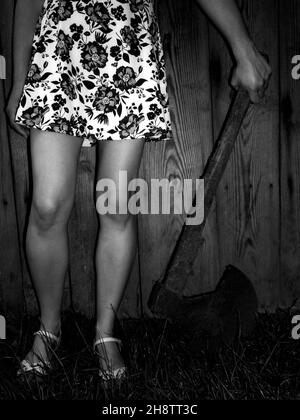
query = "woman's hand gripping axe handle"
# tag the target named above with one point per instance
(168, 289)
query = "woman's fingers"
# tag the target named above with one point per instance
(234, 80)
(254, 95)
(24, 132)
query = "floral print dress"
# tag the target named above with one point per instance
(97, 71)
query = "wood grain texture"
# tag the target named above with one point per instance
(10, 173)
(290, 154)
(194, 55)
(82, 231)
(11, 293)
(184, 34)
(248, 197)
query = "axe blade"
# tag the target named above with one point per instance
(221, 315)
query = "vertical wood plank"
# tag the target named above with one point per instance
(11, 294)
(130, 306)
(248, 196)
(184, 34)
(82, 234)
(290, 154)
(12, 259)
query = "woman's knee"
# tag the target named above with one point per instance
(49, 212)
(114, 213)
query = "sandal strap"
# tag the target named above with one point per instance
(118, 373)
(38, 367)
(105, 340)
(48, 335)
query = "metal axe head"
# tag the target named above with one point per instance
(224, 313)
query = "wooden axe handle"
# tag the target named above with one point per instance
(187, 247)
(219, 158)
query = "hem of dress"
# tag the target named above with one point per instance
(91, 141)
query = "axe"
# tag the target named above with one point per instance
(166, 298)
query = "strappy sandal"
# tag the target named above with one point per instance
(42, 367)
(109, 374)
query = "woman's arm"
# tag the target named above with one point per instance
(26, 15)
(252, 71)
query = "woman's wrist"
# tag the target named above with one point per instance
(18, 83)
(17, 90)
(243, 49)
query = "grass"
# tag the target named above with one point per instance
(163, 364)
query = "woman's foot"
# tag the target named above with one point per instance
(39, 356)
(108, 350)
(39, 351)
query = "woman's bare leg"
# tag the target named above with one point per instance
(54, 164)
(116, 246)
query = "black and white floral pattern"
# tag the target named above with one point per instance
(97, 71)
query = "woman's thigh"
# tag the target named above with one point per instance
(54, 159)
(116, 156)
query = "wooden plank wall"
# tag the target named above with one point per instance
(248, 197)
(255, 219)
(289, 286)
(184, 32)
(11, 294)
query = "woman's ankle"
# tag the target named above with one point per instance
(51, 325)
(102, 331)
